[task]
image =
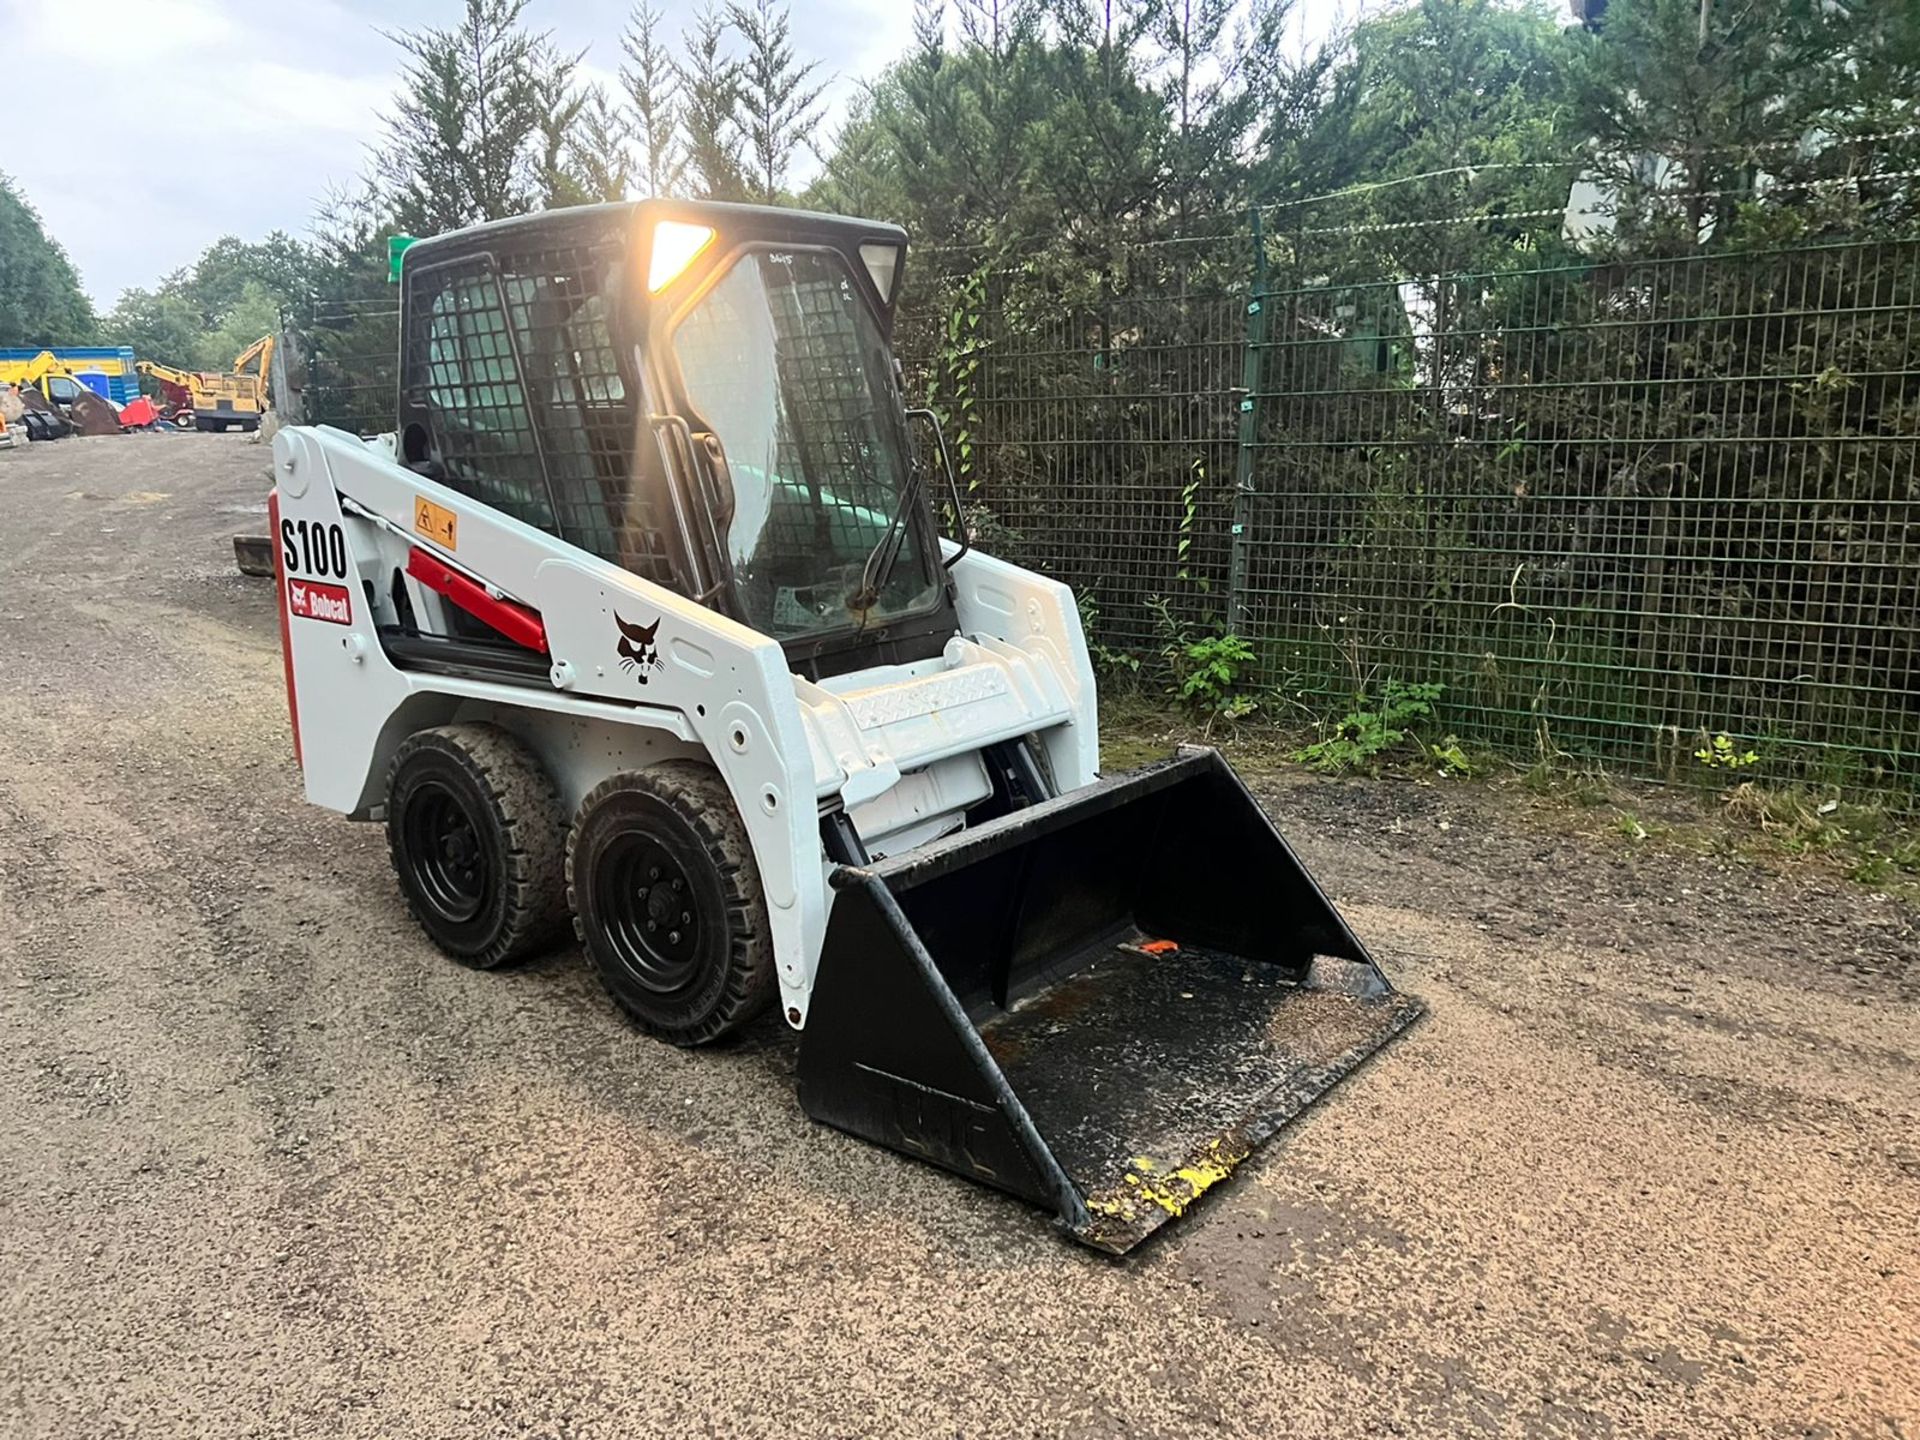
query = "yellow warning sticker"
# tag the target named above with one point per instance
(436, 522)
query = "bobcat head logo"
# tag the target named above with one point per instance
(637, 651)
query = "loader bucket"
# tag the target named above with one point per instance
(1101, 1003)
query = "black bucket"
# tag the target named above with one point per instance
(1101, 1003)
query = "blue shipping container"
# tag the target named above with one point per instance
(107, 369)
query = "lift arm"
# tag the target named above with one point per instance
(41, 366)
(259, 355)
(166, 374)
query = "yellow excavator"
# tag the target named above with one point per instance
(48, 384)
(215, 400)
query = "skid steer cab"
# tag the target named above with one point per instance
(641, 624)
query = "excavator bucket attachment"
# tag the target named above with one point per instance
(1101, 1003)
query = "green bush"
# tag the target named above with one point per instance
(1373, 728)
(1207, 675)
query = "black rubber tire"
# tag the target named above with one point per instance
(680, 808)
(519, 827)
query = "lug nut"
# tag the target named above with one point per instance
(679, 885)
(686, 917)
(643, 892)
(654, 873)
(651, 927)
(673, 937)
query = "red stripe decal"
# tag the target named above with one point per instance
(513, 620)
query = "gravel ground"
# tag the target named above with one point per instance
(269, 1166)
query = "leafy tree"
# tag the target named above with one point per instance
(459, 141)
(709, 113)
(652, 84)
(41, 302)
(163, 324)
(255, 313)
(279, 265)
(780, 107)
(203, 316)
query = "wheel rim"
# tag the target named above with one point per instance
(446, 853)
(647, 911)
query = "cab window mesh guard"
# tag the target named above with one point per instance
(531, 405)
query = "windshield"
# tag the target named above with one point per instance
(785, 362)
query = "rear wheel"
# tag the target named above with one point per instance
(668, 904)
(478, 838)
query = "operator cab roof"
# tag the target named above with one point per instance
(733, 225)
(723, 215)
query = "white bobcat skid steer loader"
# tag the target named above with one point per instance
(643, 617)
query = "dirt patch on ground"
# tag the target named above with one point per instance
(272, 1167)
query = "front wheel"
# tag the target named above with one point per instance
(478, 835)
(667, 901)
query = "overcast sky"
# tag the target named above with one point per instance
(233, 116)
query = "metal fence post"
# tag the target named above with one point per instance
(1237, 613)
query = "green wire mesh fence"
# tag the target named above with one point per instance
(1616, 508)
(1612, 508)
(344, 361)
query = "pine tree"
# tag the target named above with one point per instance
(780, 108)
(1688, 102)
(1108, 143)
(602, 149)
(560, 103)
(458, 142)
(652, 84)
(1001, 26)
(1214, 75)
(917, 115)
(710, 85)
(857, 176)
(1004, 94)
